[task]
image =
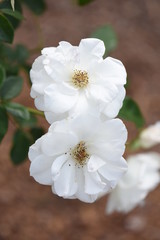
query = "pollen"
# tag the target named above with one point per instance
(80, 79)
(79, 153)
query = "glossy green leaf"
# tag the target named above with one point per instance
(17, 110)
(6, 30)
(2, 75)
(12, 13)
(84, 2)
(131, 112)
(3, 122)
(7, 5)
(36, 132)
(36, 6)
(108, 36)
(11, 88)
(20, 147)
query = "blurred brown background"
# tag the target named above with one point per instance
(29, 211)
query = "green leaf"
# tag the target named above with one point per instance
(3, 123)
(21, 54)
(6, 30)
(13, 59)
(7, 60)
(17, 110)
(25, 123)
(36, 132)
(12, 13)
(20, 147)
(108, 36)
(84, 2)
(11, 87)
(36, 6)
(131, 112)
(7, 5)
(2, 75)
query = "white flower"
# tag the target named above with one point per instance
(69, 80)
(150, 136)
(80, 157)
(142, 177)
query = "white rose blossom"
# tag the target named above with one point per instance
(150, 136)
(68, 80)
(80, 157)
(142, 177)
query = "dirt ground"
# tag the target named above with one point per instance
(29, 211)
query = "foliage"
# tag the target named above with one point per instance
(108, 36)
(13, 60)
(131, 112)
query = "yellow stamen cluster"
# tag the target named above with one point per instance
(80, 79)
(80, 154)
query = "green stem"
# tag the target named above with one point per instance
(36, 112)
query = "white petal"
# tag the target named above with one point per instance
(103, 93)
(81, 195)
(53, 117)
(113, 70)
(33, 93)
(37, 64)
(58, 101)
(83, 106)
(66, 185)
(34, 150)
(62, 126)
(150, 136)
(39, 77)
(58, 143)
(112, 108)
(93, 183)
(84, 126)
(39, 103)
(109, 140)
(57, 165)
(150, 180)
(112, 130)
(95, 163)
(92, 46)
(65, 48)
(40, 169)
(49, 51)
(112, 171)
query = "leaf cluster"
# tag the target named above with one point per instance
(12, 61)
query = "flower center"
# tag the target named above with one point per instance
(80, 154)
(80, 79)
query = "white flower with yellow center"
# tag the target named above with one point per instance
(69, 80)
(142, 177)
(80, 157)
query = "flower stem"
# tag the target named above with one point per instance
(36, 112)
